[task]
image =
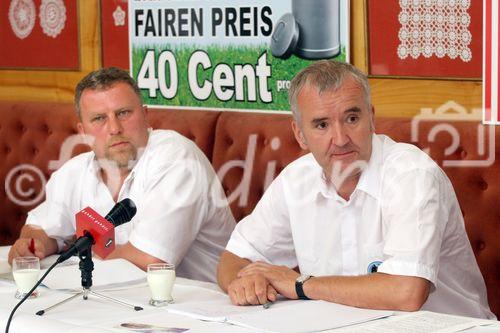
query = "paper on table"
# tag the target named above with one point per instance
(48, 261)
(422, 321)
(282, 316)
(493, 328)
(107, 273)
(44, 264)
(211, 310)
(29, 323)
(4, 266)
(306, 316)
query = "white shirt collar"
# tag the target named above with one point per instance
(369, 182)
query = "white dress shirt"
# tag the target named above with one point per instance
(182, 213)
(403, 218)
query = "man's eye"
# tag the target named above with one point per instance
(123, 114)
(98, 119)
(352, 119)
(322, 125)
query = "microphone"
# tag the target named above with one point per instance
(93, 229)
(122, 212)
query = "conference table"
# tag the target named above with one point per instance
(96, 315)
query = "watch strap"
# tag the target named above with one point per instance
(299, 284)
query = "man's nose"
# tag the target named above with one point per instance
(114, 125)
(339, 135)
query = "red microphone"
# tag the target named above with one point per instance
(101, 230)
(94, 230)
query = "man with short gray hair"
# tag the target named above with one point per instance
(367, 222)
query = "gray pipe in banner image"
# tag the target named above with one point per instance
(311, 31)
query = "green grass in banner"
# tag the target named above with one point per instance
(281, 70)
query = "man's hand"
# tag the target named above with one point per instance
(44, 245)
(251, 289)
(21, 248)
(243, 290)
(281, 278)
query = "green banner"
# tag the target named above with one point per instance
(229, 54)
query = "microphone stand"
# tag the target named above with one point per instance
(86, 267)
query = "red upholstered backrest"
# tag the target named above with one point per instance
(267, 145)
(196, 125)
(31, 135)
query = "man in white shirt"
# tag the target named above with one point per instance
(367, 222)
(182, 213)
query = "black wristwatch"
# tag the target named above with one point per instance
(299, 284)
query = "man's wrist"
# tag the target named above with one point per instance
(299, 286)
(61, 245)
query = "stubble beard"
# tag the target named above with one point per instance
(122, 159)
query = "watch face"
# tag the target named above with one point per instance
(303, 278)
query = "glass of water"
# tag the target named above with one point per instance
(26, 271)
(161, 278)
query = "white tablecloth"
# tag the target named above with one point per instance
(97, 315)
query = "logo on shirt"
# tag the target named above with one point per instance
(373, 266)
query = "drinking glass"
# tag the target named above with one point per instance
(25, 271)
(161, 278)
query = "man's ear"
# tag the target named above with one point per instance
(86, 139)
(145, 113)
(79, 127)
(372, 114)
(299, 136)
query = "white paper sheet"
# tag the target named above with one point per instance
(6, 274)
(164, 319)
(106, 274)
(47, 262)
(4, 266)
(212, 310)
(423, 321)
(308, 316)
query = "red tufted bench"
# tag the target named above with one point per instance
(251, 148)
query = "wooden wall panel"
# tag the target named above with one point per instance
(405, 98)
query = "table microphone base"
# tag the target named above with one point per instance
(85, 293)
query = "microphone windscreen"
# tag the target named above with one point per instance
(122, 212)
